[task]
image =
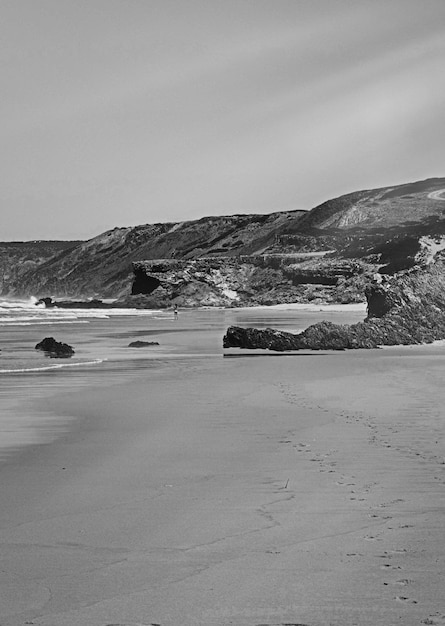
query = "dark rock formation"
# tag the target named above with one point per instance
(76, 304)
(55, 349)
(48, 302)
(408, 310)
(142, 344)
(321, 336)
(381, 299)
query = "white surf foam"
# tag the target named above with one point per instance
(42, 323)
(13, 309)
(51, 367)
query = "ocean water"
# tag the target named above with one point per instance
(102, 356)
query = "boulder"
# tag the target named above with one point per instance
(48, 302)
(55, 349)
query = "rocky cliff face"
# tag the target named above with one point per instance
(326, 254)
(408, 309)
(243, 281)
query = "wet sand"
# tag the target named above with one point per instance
(304, 489)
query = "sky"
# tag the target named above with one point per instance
(125, 112)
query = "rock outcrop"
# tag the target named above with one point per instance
(142, 344)
(245, 281)
(55, 349)
(76, 304)
(409, 309)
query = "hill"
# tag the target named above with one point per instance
(388, 223)
(327, 253)
(18, 258)
(102, 266)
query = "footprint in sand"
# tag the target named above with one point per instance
(371, 538)
(390, 554)
(403, 582)
(283, 624)
(437, 618)
(405, 599)
(369, 486)
(390, 503)
(397, 551)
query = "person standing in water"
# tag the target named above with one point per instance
(175, 311)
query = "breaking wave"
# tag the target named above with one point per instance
(31, 302)
(50, 367)
(30, 311)
(14, 322)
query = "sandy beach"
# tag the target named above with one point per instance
(300, 489)
(182, 182)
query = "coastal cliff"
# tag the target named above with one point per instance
(102, 266)
(327, 254)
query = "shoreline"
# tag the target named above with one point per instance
(260, 491)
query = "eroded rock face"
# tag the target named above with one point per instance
(244, 281)
(381, 300)
(205, 282)
(55, 349)
(408, 310)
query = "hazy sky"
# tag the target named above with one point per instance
(123, 112)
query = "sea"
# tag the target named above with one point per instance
(100, 338)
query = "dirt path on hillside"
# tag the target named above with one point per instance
(436, 195)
